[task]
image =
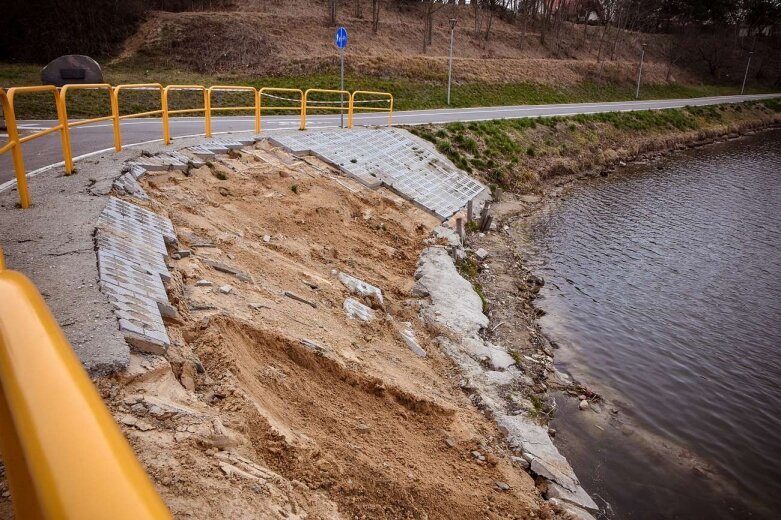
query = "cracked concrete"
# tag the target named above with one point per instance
(53, 244)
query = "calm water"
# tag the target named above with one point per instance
(664, 292)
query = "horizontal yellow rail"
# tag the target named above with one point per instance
(65, 457)
(64, 125)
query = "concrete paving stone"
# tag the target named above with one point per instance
(201, 152)
(139, 319)
(151, 164)
(361, 288)
(408, 335)
(137, 171)
(133, 238)
(391, 157)
(110, 215)
(149, 258)
(143, 216)
(128, 185)
(195, 161)
(136, 236)
(129, 276)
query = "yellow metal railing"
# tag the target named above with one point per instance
(266, 91)
(64, 455)
(383, 95)
(328, 105)
(81, 122)
(118, 117)
(303, 104)
(207, 123)
(227, 88)
(15, 142)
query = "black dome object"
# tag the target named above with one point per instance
(71, 68)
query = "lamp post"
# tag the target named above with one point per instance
(745, 76)
(640, 72)
(452, 22)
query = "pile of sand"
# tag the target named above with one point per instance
(271, 406)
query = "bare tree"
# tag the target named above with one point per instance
(332, 12)
(375, 15)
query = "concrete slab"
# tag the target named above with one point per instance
(131, 276)
(393, 158)
(356, 310)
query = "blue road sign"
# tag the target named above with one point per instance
(341, 37)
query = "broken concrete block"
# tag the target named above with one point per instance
(226, 289)
(356, 310)
(203, 283)
(408, 335)
(481, 254)
(362, 288)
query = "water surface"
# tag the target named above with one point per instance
(664, 292)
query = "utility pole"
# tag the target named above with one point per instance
(745, 76)
(452, 22)
(640, 72)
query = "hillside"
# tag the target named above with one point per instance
(293, 37)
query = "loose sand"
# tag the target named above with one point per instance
(245, 421)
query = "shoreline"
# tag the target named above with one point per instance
(506, 279)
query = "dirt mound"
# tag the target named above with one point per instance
(294, 39)
(272, 403)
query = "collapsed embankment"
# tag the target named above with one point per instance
(290, 391)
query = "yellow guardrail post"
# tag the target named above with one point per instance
(15, 142)
(65, 457)
(265, 90)
(207, 110)
(207, 125)
(371, 109)
(68, 125)
(115, 108)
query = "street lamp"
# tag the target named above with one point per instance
(452, 22)
(640, 72)
(745, 76)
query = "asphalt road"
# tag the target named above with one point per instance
(46, 150)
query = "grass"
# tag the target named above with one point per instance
(518, 154)
(409, 94)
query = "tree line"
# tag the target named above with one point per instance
(41, 30)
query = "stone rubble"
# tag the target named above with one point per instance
(356, 310)
(361, 288)
(489, 371)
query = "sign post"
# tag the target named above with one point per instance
(341, 43)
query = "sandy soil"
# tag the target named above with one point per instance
(244, 420)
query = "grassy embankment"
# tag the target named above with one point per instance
(409, 94)
(520, 154)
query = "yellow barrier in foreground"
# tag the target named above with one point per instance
(63, 125)
(65, 457)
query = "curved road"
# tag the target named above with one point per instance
(46, 150)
